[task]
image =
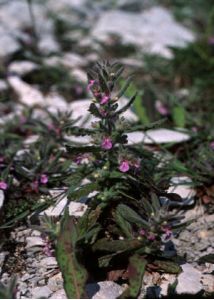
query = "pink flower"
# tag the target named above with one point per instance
(212, 145)
(44, 179)
(136, 164)
(167, 231)
(103, 112)
(211, 40)
(124, 166)
(104, 100)
(161, 108)
(1, 159)
(106, 143)
(91, 83)
(3, 185)
(142, 232)
(82, 158)
(151, 237)
(35, 185)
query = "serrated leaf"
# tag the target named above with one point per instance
(74, 274)
(117, 245)
(179, 116)
(167, 266)
(136, 270)
(130, 215)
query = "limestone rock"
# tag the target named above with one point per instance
(104, 290)
(189, 281)
(42, 292)
(157, 136)
(140, 29)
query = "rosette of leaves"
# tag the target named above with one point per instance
(126, 223)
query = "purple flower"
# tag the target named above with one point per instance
(104, 100)
(167, 232)
(82, 158)
(103, 112)
(211, 40)
(142, 232)
(44, 179)
(106, 143)
(124, 166)
(1, 159)
(3, 185)
(35, 185)
(212, 145)
(151, 237)
(91, 83)
(161, 108)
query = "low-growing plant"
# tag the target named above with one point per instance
(129, 216)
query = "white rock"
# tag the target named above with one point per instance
(73, 60)
(65, 4)
(22, 67)
(27, 94)
(189, 281)
(166, 280)
(208, 282)
(49, 262)
(80, 109)
(56, 282)
(42, 292)
(3, 85)
(8, 43)
(48, 44)
(77, 209)
(140, 29)
(60, 294)
(104, 290)
(79, 75)
(157, 136)
(182, 186)
(1, 198)
(34, 242)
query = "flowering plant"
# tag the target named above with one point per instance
(128, 219)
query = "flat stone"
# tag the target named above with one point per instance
(182, 186)
(1, 198)
(104, 290)
(189, 281)
(80, 109)
(76, 209)
(140, 29)
(55, 283)
(49, 262)
(42, 292)
(26, 93)
(60, 294)
(3, 85)
(8, 43)
(208, 283)
(157, 136)
(34, 242)
(22, 67)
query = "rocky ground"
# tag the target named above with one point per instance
(27, 253)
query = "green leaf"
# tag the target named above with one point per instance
(136, 270)
(140, 110)
(130, 215)
(74, 274)
(82, 191)
(179, 116)
(124, 225)
(125, 107)
(209, 258)
(117, 245)
(167, 266)
(9, 291)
